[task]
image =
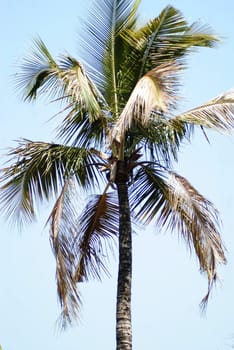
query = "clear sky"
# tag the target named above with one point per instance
(167, 285)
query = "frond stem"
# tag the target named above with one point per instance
(113, 61)
(146, 53)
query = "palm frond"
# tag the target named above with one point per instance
(102, 45)
(65, 79)
(167, 37)
(79, 88)
(154, 94)
(217, 114)
(38, 72)
(98, 226)
(77, 129)
(175, 204)
(37, 171)
(63, 226)
(163, 135)
(161, 139)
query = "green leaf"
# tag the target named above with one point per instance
(64, 79)
(102, 45)
(78, 130)
(38, 72)
(167, 37)
(37, 172)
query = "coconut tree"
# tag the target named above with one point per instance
(117, 142)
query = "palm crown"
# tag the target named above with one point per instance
(119, 127)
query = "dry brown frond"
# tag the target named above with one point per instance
(154, 92)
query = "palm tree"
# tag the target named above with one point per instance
(118, 139)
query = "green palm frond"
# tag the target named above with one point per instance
(65, 81)
(63, 226)
(77, 129)
(37, 172)
(165, 38)
(102, 45)
(175, 204)
(106, 21)
(154, 94)
(164, 139)
(98, 226)
(161, 139)
(217, 114)
(146, 196)
(64, 78)
(38, 72)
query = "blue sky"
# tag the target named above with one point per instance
(167, 285)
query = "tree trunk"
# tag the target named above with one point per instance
(123, 309)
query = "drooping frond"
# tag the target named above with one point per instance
(171, 201)
(37, 171)
(217, 114)
(154, 94)
(65, 78)
(38, 72)
(102, 45)
(98, 226)
(77, 129)
(80, 90)
(63, 226)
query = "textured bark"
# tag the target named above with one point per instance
(123, 309)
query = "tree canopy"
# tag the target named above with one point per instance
(117, 142)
